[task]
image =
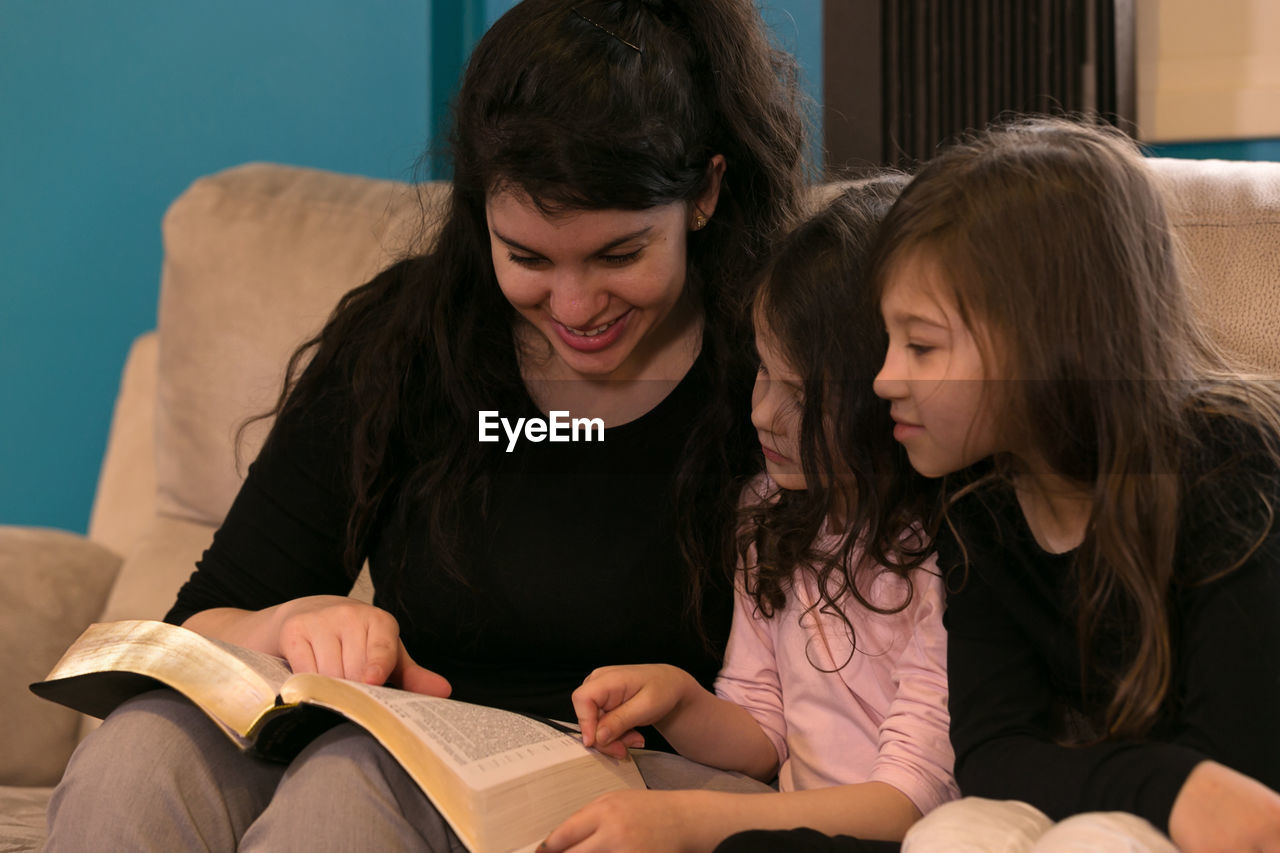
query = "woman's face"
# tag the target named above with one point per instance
(597, 284)
(605, 288)
(933, 374)
(777, 402)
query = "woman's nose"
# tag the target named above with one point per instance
(576, 303)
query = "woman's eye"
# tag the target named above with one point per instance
(920, 349)
(620, 260)
(762, 370)
(525, 260)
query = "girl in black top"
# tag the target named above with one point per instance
(619, 170)
(1110, 490)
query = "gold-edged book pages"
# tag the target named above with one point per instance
(501, 779)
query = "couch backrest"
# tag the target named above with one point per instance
(257, 256)
(1227, 216)
(255, 259)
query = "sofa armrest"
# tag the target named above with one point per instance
(52, 585)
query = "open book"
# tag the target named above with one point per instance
(502, 780)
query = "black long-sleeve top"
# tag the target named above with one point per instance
(1014, 660)
(576, 564)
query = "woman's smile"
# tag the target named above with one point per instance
(597, 339)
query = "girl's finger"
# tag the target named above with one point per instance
(598, 672)
(574, 830)
(634, 712)
(586, 708)
(632, 739)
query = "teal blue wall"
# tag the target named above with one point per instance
(109, 110)
(1231, 149)
(797, 27)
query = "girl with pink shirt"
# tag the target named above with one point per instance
(834, 677)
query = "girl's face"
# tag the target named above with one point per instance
(777, 401)
(933, 373)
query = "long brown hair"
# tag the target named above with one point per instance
(816, 302)
(580, 104)
(1054, 238)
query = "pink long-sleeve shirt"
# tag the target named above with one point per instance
(879, 717)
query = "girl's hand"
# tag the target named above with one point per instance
(1220, 809)
(614, 700)
(624, 821)
(345, 638)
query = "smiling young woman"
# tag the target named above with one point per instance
(605, 320)
(604, 288)
(619, 170)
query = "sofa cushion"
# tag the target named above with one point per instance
(58, 582)
(125, 501)
(1227, 217)
(255, 259)
(153, 570)
(22, 822)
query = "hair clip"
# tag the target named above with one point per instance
(605, 29)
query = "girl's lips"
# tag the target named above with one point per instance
(595, 342)
(772, 455)
(903, 431)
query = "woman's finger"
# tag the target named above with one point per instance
(408, 675)
(381, 657)
(327, 649)
(298, 653)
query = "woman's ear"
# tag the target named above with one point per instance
(705, 204)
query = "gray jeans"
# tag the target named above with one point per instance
(158, 775)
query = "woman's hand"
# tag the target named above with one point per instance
(624, 821)
(345, 638)
(328, 634)
(614, 700)
(1220, 809)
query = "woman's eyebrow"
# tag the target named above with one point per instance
(614, 243)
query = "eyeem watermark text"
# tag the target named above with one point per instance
(559, 427)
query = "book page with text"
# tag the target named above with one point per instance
(484, 746)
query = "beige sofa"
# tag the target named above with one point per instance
(255, 257)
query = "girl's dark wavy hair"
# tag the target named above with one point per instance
(557, 104)
(1055, 242)
(815, 302)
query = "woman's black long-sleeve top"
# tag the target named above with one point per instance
(575, 565)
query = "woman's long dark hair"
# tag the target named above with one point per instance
(579, 104)
(815, 301)
(1055, 241)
